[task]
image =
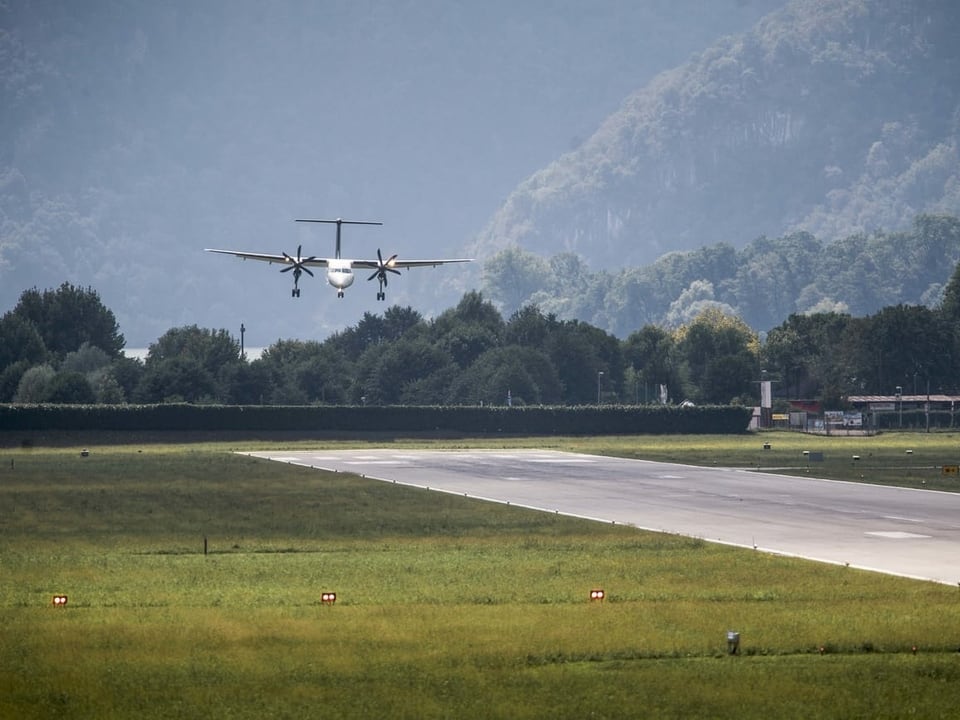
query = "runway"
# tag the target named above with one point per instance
(912, 533)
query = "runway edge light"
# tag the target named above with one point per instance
(328, 598)
(59, 601)
(733, 642)
(597, 595)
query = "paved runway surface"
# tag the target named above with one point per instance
(914, 533)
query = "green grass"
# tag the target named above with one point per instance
(447, 607)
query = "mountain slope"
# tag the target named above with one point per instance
(830, 116)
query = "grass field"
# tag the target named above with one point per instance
(446, 607)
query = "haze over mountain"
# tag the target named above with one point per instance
(830, 116)
(133, 134)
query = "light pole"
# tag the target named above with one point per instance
(900, 403)
(599, 379)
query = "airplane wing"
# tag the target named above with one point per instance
(395, 264)
(269, 258)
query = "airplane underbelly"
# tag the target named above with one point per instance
(340, 280)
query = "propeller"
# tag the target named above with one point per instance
(298, 266)
(381, 272)
(383, 268)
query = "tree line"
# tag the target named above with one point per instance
(763, 283)
(65, 346)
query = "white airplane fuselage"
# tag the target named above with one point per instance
(340, 274)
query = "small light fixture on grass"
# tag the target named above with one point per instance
(59, 600)
(733, 642)
(597, 595)
(328, 598)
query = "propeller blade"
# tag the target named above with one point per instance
(288, 268)
(373, 275)
(307, 270)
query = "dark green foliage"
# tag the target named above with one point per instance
(20, 340)
(950, 305)
(397, 420)
(525, 373)
(469, 356)
(10, 379)
(176, 379)
(68, 317)
(764, 282)
(70, 388)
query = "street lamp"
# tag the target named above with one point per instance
(900, 403)
(599, 379)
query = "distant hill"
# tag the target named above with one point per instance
(834, 117)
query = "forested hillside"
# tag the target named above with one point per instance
(832, 117)
(763, 282)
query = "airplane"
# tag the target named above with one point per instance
(339, 270)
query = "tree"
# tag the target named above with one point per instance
(176, 379)
(127, 371)
(651, 354)
(905, 345)
(934, 243)
(529, 327)
(35, 384)
(20, 341)
(578, 364)
(513, 275)
(10, 378)
(469, 329)
(107, 389)
(298, 372)
(70, 387)
(247, 383)
(85, 359)
(950, 303)
(214, 352)
(68, 317)
(212, 349)
(526, 374)
(400, 363)
(720, 355)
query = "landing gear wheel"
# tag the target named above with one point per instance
(339, 293)
(295, 292)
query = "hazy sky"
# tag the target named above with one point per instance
(185, 125)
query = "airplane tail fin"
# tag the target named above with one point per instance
(339, 222)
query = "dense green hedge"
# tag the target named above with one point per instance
(584, 420)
